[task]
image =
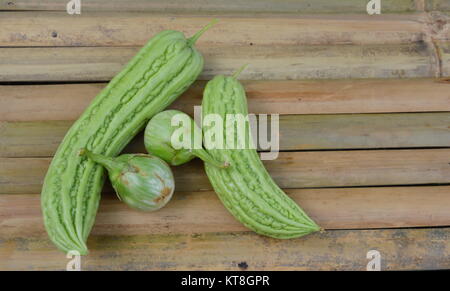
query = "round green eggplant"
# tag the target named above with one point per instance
(143, 182)
(159, 135)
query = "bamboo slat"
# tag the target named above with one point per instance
(66, 102)
(282, 44)
(437, 5)
(297, 132)
(438, 27)
(289, 170)
(235, 6)
(265, 62)
(363, 131)
(444, 53)
(400, 249)
(202, 212)
(134, 29)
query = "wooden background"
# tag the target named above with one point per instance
(365, 130)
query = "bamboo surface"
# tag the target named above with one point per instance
(265, 62)
(297, 132)
(134, 29)
(204, 236)
(289, 170)
(400, 249)
(364, 104)
(202, 212)
(235, 6)
(440, 5)
(313, 47)
(66, 102)
(444, 52)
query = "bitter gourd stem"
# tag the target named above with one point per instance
(196, 36)
(239, 71)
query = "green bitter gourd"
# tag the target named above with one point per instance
(246, 188)
(163, 69)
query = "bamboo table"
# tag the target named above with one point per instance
(364, 106)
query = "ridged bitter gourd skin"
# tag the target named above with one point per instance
(245, 187)
(163, 69)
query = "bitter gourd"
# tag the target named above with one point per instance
(163, 69)
(246, 188)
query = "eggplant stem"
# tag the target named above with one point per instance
(207, 158)
(105, 161)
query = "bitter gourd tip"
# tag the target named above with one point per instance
(81, 152)
(83, 251)
(79, 247)
(199, 33)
